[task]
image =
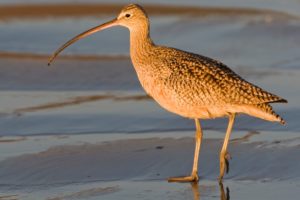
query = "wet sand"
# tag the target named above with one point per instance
(17, 11)
(77, 97)
(84, 129)
(135, 166)
(118, 144)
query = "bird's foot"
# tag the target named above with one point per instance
(224, 164)
(184, 179)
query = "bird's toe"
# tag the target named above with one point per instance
(192, 178)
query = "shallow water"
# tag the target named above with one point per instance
(79, 98)
(65, 129)
(249, 41)
(263, 50)
(162, 190)
(135, 166)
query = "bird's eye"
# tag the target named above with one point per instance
(127, 15)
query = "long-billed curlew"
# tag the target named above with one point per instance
(188, 84)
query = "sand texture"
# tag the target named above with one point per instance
(84, 129)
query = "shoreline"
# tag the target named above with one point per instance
(84, 128)
(38, 56)
(21, 11)
(86, 166)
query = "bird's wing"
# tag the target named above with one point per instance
(219, 81)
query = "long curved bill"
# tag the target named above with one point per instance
(101, 27)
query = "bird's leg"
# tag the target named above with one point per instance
(224, 155)
(194, 176)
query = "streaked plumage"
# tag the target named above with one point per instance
(188, 84)
(195, 86)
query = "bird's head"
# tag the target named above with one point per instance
(131, 16)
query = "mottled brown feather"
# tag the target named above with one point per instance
(188, 84)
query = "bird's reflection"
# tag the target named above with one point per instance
(224, 195)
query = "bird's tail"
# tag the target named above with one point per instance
(263, 111)
(267, 108)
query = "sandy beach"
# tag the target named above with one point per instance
(21, 11)
(84, 128)
(134, 166)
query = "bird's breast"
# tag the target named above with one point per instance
(152, 83)
(173, 99)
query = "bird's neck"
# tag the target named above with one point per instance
(140, 43)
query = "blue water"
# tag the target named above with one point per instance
(264, 49)
(42, 107)
(236, 42)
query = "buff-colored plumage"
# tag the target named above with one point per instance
(192, 85)
(188, 84)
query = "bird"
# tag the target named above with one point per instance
(188, 84)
